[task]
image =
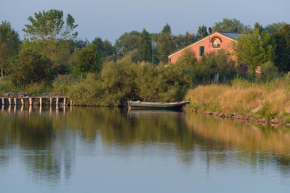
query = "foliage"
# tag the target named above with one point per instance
(184, 40)
(282, 53)
(231, 25)
(145, 46)
(255, 49)
(127, 43)
(88, 60)
(165, 44)
(201, 32)
(51, 36)
(274, 27)
(9, 45)
(269, 71)
(32, 68)
(266, 111)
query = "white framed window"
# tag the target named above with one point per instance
(216, 43)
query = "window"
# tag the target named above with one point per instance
(201, 50)
(216, 43)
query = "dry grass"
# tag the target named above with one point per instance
(243, 97)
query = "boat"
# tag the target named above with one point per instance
(155, 105)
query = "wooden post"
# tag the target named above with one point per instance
(9, 101)
(56, 104)
(71, 103)
(50, 101)
(64, 102)
(22, 102)
(3, 101)
(40, 102)
(30, 102)
(15, 101)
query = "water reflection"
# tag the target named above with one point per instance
(47, 141)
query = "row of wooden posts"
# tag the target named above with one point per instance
(40, 100)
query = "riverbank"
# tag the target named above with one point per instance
(267, 103)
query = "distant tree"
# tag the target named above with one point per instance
(184, 40)
(274, 27)
(255, 49)
(145, 46)
(282, 38)
(9, 45)
(259, 27)
(50, 35)
(165, 44)
(98, 42)
(127, 43)
(201, 32)
(88, 60)
(32, 68)
(231, 25)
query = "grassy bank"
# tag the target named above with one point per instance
(265, 100)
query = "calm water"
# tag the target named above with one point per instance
(111, 150)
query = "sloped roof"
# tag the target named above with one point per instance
(229, 35)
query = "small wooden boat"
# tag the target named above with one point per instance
(155, 105)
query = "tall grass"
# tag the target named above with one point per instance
(262, 99)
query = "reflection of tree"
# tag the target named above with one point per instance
(48, 141)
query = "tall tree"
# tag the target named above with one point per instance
(231, 25)
(184, 40)
(165, 44)
(127, 43)
(145, 46)
(255, 49)
(201, 32)
(9, 44)
(50, 35)
(283, 48)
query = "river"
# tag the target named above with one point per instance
(111, 150)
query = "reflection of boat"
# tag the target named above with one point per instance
(155, 105)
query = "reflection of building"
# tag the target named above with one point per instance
(211, 43)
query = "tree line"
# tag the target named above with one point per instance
(51, 47)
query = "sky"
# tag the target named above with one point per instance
(109, 19)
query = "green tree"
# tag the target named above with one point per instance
(184, 40)
(88, 60)
(32, 67)
(282, 38)
(274, 27)
(127, 43)
(231, 25)
(9, 45)
(255, 49)
(201, 32)
(50, 35)
(145, 46)
(165, 44)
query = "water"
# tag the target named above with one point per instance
(112, 150)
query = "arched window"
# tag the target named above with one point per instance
(216, 43)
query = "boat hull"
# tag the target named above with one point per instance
(155, 105)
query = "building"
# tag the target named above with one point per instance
(211, 43)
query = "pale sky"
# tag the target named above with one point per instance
(109, 19)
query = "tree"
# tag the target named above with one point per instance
(201, 32)
(231, 25)
(88, 60)
(50, 35)
(274, 27)
(32, 68)
(145, 46)
(184, 40)
(255, 49)
(283, 48)
(165, 44)
(127, 43)
(9, 44)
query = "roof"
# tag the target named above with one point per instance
(229, 35)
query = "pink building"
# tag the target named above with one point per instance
(211, 43)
